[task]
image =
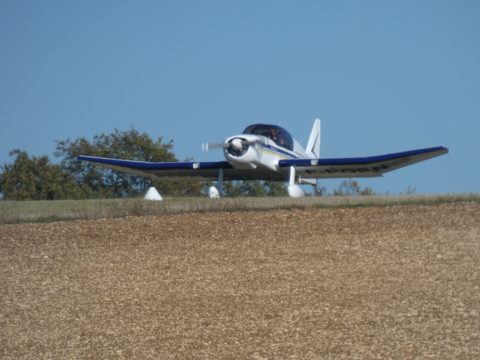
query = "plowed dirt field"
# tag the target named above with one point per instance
(381, 282)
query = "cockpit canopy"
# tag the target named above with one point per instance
(278, 134)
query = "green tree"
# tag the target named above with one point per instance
(232, 188)
(96, 181)
(275, 188)
(255, 188)
(35, 178)
(352, 188)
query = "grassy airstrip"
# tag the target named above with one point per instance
(12, 212)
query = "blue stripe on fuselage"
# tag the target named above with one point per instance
(281, 151)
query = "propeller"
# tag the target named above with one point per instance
(236, 145)
(208, 146)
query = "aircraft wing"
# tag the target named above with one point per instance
(305, 168)
(201, 170)
(359, 167)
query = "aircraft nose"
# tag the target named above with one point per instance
(237, 147)
(237, 144)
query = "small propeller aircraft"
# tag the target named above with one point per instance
(269, 152)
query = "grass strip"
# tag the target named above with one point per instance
(14, 212)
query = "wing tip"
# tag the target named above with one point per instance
(438, 150)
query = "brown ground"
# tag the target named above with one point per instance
(387, 282)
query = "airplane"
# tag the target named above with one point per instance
(269, 152)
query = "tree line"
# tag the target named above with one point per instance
(38, 178)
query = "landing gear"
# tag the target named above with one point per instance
(294, 190)
(215, 192)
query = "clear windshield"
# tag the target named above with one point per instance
(276, 133)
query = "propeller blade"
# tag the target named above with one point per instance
(208, 146)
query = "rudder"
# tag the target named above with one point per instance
(313, 145)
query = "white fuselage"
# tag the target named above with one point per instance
(247, 151)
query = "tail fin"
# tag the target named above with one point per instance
(313, 146)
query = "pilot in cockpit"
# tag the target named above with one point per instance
(277, 136)
(273, 134)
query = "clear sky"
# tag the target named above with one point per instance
(384, 76)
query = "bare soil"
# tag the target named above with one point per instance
(381, 282)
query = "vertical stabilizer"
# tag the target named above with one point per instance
(313, 145)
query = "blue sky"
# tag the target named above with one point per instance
(384, 76)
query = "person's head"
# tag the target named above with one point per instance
(273, 133)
